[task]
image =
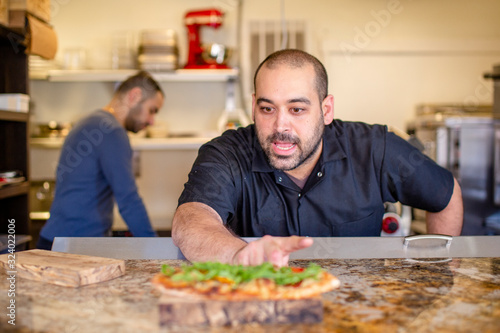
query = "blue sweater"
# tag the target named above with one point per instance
(95, 168)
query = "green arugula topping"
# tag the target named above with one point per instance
(203, 271)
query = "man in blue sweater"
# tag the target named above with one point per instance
(95, 167)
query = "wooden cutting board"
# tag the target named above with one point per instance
(64, 269)
(175, 311)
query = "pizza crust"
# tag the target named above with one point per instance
(259, 289)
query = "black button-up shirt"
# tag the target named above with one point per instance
(361, 167)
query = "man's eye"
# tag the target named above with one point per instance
(296, 110)
(266, 109)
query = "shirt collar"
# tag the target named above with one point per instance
(332, 149)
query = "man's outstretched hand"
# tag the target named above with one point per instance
(276, 250)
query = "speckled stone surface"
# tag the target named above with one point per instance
(376, 295)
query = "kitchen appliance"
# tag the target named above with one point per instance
(460, 138)
(216, 54)
(200, 55)
(396, 220)
(493, 221)
(41, 195)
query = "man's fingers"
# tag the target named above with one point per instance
(305, 242)
(294, 243)
(284, 260)
(276, 258)
(239, 258)
(250, 255)
(256, 254)
(276, 250)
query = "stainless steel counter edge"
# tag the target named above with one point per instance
(323, 248)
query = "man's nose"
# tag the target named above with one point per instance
(151, 120)
(282, 121)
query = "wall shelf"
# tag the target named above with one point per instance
(138, 144)
(14, 116)
(111, 75)
(14, 129)
(11, 34)
(9, 191)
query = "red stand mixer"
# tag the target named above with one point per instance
(204, 56)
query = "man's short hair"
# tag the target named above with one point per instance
(143, 80)
(297, 58)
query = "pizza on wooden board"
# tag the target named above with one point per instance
(218, 281)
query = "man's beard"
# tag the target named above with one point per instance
(303, 154)
(131, 124)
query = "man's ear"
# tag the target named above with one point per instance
(134, 96)
(327, 109)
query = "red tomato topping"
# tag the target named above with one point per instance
(297, 269)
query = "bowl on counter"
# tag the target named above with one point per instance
(52, 129)
(158, 130)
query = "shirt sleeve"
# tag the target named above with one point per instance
(116, 164)
(412, 178)
(211, 182)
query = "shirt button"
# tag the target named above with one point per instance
(320, 174)
(300, 195)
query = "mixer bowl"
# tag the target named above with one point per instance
(216, 53)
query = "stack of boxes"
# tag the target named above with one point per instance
(4, 12)
(158, 50)
(17, 10)
(15, 14)
(30, 18)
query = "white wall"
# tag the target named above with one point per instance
(403, 52)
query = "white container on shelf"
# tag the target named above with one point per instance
(14, 102)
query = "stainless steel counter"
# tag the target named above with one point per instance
(322, 248)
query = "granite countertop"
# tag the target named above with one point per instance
(376, 295)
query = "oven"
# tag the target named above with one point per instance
(493, 221)
(461, 139)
